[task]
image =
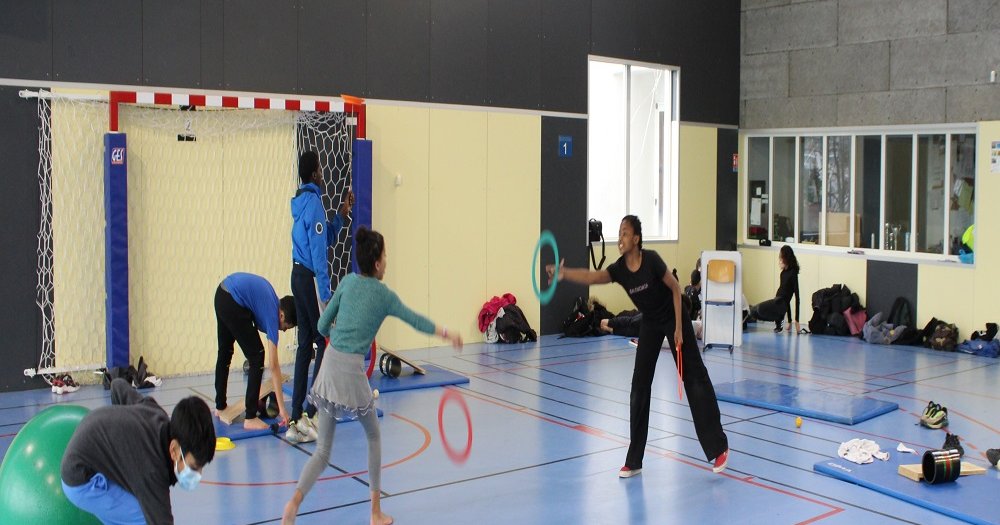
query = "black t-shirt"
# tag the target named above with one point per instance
(646, 287)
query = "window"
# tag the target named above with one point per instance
(632, 151)
(900, 192)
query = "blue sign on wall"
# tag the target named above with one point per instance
(565, 146)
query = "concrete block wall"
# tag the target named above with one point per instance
(868, 62)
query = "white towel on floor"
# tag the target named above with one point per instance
(861, 451)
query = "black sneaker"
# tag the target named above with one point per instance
(777, 327)
(953, 442)
(993, 455)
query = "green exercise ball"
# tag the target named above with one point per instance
(30, 485)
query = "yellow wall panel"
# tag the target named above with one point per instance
(987, 277)
(513, 208)
(399, 138)
(458, 225)
(945, 292)
(697, 147)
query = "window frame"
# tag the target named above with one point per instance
(668, 220)
(856, 246)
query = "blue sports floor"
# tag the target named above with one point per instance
(549, 425)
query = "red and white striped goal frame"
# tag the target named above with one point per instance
(350, 105)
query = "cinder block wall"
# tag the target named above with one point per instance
(868, 62)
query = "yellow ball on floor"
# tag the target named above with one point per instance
(375, 393)
(798, 422)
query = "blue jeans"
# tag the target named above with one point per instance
(112, 504)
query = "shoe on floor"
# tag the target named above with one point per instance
(57, 386)
(952, 441)
(777, 327)
(938, 418)
(931, 406)
(295, 433)
(626, 472)
(993, 455)
(721, 462)
(308, 426)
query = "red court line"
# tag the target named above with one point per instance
(669, 455)
(423, 447)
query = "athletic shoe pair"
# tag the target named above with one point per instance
(302, 431)
(952, 442)
(64, 385)
(717, 466)
(993, 455)
(934, 416)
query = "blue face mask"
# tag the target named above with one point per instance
(188, 478)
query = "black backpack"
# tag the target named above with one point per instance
(901, 313)
(513, 327)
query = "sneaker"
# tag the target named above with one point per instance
(721, 462)
(308, 427)
(993, 455)
(953, 442)
(777, 327)
(292, 435)
(69, 386)
(938, 418)
(931, 406)
(627, 472)
(57, 386)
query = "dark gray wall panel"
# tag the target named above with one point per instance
(726, 190)
(19, 320)
(212, 44)
(564, 212)
(652, 29)
(889, 280)
(332, 47)
(613, 28)
(398, 51)
(97, 41)
(565, 44)
(458, 45)
(704, 39)
(514, 54)
(171, 42)
(261, 45)
(26, 39)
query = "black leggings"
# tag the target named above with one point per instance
(236, 324)
(771, 310)
(307, 313)
(697, 387)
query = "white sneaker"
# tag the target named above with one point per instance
(293, 435)
(307, 426)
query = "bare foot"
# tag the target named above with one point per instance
(255, 424)
(381, 518)
(288, 518)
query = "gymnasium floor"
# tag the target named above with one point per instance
(550, 428)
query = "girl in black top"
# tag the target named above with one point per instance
(657, 295)
(776, 309)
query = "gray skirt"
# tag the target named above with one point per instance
(341, 387)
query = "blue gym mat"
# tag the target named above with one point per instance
(967, 499)
(826, 406)
(409, 380)
(236, 430)
(435, 376)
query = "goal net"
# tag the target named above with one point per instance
(209, 194)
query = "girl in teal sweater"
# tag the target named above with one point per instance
(359, 306)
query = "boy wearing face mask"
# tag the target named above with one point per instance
(122, 459)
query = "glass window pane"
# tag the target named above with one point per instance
(930, 193)
(606, 156)
(868, 180)
(783, 193)
(648, 98)
(758, 158)
(838, 193)
(898, 191)
(810, 188)
(962, 208)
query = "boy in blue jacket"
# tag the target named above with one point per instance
(312, 235)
